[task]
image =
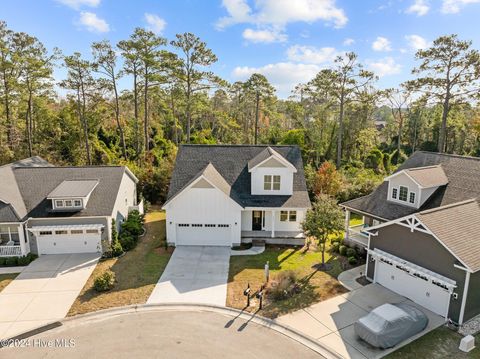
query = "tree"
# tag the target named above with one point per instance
(341, 84)
(259, 86)
(400, 100)
(189, 70)
(451, 73)
(323, 220)
(105, 63)
(80, 80)
(328, 180)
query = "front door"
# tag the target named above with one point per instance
(256, 220)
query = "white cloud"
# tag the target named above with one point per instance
(311, 54)
(348, 42)
(155, 23)
(381, 44)
(419, 7)
(384, 67)
(284, 76)
(77, 4)
(92, 22)
(276, 14)
(454, 6)
(265, 36)
(416, 42)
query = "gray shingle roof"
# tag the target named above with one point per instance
(7, 213)
(231, 162)
(430, 176)
(73, 188)
(463, 184)
(37, 183)
(456, 226)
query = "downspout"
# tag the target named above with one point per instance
(464, 297)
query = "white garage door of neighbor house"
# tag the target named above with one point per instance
(420, 290)
(193, 234)
(69, 243)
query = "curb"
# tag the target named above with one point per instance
(136, 308)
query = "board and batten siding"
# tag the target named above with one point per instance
(126, 197)
(424, 250)
(203, 206)
(286, 180)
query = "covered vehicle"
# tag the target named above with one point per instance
(390, 324)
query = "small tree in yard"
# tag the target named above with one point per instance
(323, 220)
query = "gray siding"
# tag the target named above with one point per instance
(424, 250)
(472, 307)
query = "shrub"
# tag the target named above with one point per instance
(335, 247)
(351, 252)
(127, 241)
(104, 282)
(117, 249)
(23, 261)
(133, 224)
(11, 261)
(280, 287)
(32, 256)
(352, 260)
(342, 250)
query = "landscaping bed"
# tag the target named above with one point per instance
(305, 285)
(135, 273)
(5, 279)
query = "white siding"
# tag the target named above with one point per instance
(246, 220)
(126, 197)
(425, 194)
(279, 226)
(286, 180)
(203, 206)
(405, 181)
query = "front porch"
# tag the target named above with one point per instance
(355, 225)
(277, 234)
(12, 240)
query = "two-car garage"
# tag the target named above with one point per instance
(205, 234)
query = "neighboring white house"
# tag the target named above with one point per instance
(50, 210)
(224, 195)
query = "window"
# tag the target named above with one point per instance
(77, 203)
(61, 232)
(292, 217)
(91, 231)
(183, 225)
(197, 225)
(412, 197)
(276, 183)
(58, 203)
(45, 233)
(68, 203)
(210, 225)
(394, 193)
(403, 194)
(76, 231)
(267, 182)
(224, 225)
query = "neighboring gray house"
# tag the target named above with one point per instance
(422, 233)
(227, 194)
(49, 210)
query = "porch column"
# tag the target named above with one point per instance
(21, 238)
(347, 222)
(273, 223)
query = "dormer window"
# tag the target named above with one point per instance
(72, 195)
(271, 182)
(403, 194)
(412, 197)
(58, 203)
(394, 193)
(77, 203)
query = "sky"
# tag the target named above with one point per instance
(288, 41)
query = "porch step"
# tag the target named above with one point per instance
(258, 242)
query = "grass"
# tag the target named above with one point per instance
(5, 279)
(439, 343)
(355, 219)
(136, 272)
(316, 285)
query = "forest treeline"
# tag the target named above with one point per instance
(340, 116)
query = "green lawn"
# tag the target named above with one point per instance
(5, 279)
(439, 343)
(317, 285)
(136, 272)
(355, 219)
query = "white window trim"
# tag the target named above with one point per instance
(288, 216)
(272, 182)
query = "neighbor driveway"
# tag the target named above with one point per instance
(44, 291)
(194, 274)
(331, 321)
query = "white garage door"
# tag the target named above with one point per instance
(420, 290)
(195, 234)
(69, 243)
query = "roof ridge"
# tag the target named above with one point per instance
(449, 155)
(233, 145)
(56, 167)
(447, 206)
(421, 168)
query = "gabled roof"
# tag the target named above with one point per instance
(425, 177)
(73, 188)
(265, 155)
(232, 163)
(463, 184)
(7, 213)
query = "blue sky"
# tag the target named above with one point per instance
(286, 40)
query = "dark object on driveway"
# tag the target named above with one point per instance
(390, 324)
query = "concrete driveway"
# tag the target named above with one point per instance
(194, 274)
(44, 291)
(331, 321)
